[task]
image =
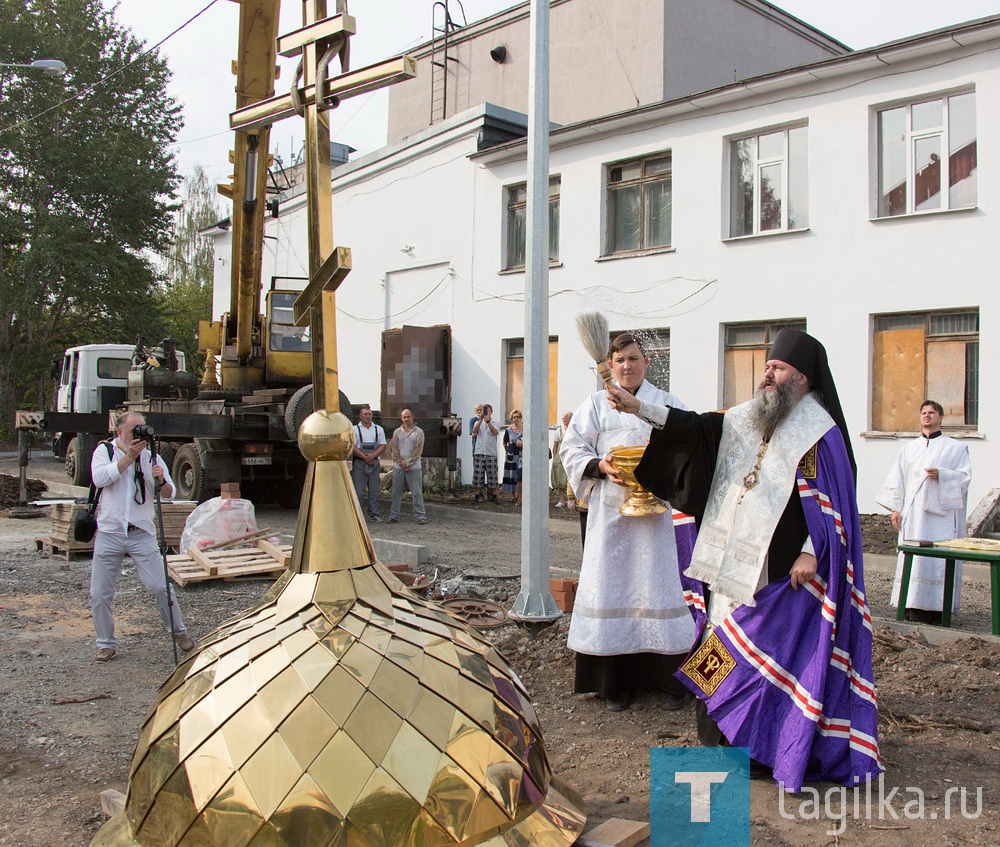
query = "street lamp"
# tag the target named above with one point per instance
(49, 67)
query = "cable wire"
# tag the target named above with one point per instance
(109, 76)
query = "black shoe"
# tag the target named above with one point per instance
(676, 702)
(752, 769)
(618, 703)
(928, 616)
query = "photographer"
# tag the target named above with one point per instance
(125, 476)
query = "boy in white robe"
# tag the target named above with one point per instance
(631, 628)
(926, 493)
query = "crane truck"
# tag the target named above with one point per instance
(241, 421)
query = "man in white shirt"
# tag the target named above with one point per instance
(369, 444)
(926, 491)
(484, 454)
(407, 446)
(125, 527)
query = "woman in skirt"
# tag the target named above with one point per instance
(512, 444)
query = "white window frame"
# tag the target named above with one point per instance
(758, 165)
(912, 137)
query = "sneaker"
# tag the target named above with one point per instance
(619, 703)
(560, 505)
(375, 519)
(391, 520)
(105, 654)
(421, 521)
(185, 642)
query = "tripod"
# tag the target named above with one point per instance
(162, 539)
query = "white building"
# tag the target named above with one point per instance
(843, 195)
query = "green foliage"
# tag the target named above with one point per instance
(186, 296)
(85, 189)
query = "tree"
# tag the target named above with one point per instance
(86, 180)
(186, 296)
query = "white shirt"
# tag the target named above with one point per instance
(117, 508)
(364, 434)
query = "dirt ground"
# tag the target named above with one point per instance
(68, 726)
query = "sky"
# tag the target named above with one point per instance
(200, 56)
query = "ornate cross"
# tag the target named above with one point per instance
(313, 94)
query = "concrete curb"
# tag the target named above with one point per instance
(935, 635)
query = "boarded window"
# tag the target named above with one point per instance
(919, 356)
(746, 350)
(514, 378)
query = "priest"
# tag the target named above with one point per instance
(783, 665)
(630, 628)
(926, 492)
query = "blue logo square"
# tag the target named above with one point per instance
(697, 796)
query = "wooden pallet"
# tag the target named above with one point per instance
(64, 518)
(70, 553)
(259, 561)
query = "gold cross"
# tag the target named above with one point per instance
(319, 41)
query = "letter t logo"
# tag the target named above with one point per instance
(701, 787)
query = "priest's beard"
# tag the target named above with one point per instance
(770, 409)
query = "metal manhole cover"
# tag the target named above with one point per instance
(482, 614)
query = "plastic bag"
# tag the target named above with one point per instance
(218, 520)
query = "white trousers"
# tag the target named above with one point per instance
(110, 548)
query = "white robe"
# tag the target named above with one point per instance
(629, 599)
(932, 510)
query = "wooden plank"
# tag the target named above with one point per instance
(203, 561)
(946, 379)
(615, 832)
(240, 539)
(897, 380)
(274, 552)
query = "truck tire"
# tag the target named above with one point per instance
(189, 474)
(167, 451)
(301, 407)
(77, 465)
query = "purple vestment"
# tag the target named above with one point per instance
(801, 696)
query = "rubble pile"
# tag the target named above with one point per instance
(10, 489)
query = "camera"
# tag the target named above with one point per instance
(142, 431)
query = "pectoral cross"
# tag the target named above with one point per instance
(321, 40)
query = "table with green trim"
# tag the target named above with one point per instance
(950, 556)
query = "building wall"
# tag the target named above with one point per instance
(836, 274)
(709, 43)
(607, 57)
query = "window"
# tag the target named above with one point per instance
(656, 343)
(769, 187)
(284, 335)
(514, 383)
(113, 368)
(747, 346)
(639, 204)
(925, 356)
(517, 223)
(923, 148)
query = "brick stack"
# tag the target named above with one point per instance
(564, 592)
(229, 491)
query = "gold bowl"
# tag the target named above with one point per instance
(639, 502)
